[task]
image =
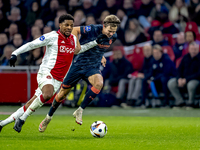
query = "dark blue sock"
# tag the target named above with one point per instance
(53, 108)
(90, 95)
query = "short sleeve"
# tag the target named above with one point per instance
(85, 29)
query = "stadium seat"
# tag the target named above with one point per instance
(155, 23)
(192, 26)
(136, 58)
(178, 61)
(114, 89)
(168, 50)
(185, 51)
(198, 37)
(169, 38)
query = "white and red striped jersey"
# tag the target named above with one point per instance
(58, 55)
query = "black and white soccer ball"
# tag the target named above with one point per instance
(98, 129)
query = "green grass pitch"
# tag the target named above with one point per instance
(132, 129)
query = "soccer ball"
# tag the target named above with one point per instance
(98, 129)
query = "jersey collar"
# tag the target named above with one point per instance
(62, 35)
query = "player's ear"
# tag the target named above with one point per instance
(59, 24)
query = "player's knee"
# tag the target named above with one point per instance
(99, 85)
(47, 96)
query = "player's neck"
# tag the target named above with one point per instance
(64, 34)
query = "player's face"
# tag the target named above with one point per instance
(109, 31)
(66, 27)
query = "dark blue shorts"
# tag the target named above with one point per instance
(76, 73)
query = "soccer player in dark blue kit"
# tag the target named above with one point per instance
(86, 66)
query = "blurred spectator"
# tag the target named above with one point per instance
(47, 29)
(73, 5)
(103, 16)
(15, 17)
(161, 7)
(179, 14)
(3, 42)
(179, 45)
(33, 13)
(90, 19)
(159, 39)
(87, 7)
(79, 18)
(48, 14)
(190, 37)
(135, 83)
(123, 18)
(194, 11)
(128, 8)
(35, 31)
(162, 70)
(118, 72)
(3, 22)
(134, 33)
(4, 60)
(111, 6)
(56, 23)
(188, 76)
(100, 6)
(144, 12)
(12, 30)
(4, 7)
(61, 11)
(35, 57)
(17, 40)
(167, 26)
(45, 3)
(39, 23)
(19, 4)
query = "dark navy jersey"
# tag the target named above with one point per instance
(92, 58)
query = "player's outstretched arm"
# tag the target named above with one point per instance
(100, 40)
(39, 42)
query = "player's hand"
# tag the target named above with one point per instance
(102, 38)
(12, 60)
(103, 61)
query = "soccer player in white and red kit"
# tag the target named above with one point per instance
(60, 49)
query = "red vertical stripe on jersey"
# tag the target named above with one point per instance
(66, 47)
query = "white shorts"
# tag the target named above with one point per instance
(46, 78)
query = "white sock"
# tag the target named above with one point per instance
(35, 105)
(13, 117)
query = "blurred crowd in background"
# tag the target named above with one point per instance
(168, 67)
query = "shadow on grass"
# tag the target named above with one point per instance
(42, 137)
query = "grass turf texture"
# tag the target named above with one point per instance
(127, 129)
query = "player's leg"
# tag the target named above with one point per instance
(56, 102)
(48, 86)
(16, 114)
(47, 93)
(73, 76)
(96, 81)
